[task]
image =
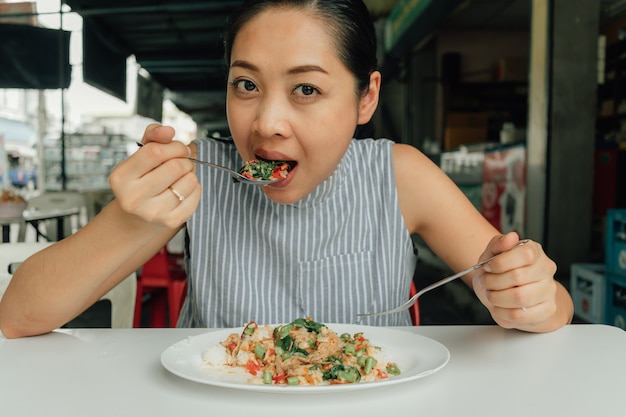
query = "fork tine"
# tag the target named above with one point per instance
(402, 307)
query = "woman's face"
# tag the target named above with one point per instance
(291, 98)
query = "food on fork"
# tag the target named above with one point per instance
(302, 352)
(258, 169)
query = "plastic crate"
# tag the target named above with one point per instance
(615, 248)
(588, 290)
(616, 300)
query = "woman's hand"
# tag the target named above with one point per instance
(158, 183)
(519, 289)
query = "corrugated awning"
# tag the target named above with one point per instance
(179, 43)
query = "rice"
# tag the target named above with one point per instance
(214, 355)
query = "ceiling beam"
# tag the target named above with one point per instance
(225, 5)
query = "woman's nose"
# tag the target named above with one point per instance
(273, 118)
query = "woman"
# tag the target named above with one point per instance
(329, 241)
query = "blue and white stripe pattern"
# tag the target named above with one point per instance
(342, 250)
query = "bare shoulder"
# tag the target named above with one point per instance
(420, 184)
(409, 160)
(426, 194)
(412, 168)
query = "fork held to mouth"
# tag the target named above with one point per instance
(236, 175)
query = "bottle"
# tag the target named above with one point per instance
(507, 134)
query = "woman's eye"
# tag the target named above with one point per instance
(244, 85)
(306, 90)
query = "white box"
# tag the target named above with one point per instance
(587, 288)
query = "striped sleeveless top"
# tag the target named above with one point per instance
(342, 250)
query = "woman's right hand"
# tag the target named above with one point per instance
(149, 182)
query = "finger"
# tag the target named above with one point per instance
(499, 244)
(139, 177)
(515, 297)
(167, 173)
(136, 183)
(523, 296)
(156, 132)
(183, 187)
(171, 206)
(182, 209)
(177, 194)
(513, 257)
(507, 280)
(517, 317)
(153, 157)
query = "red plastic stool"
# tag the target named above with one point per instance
(166, 282)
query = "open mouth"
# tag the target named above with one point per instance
(285, 165)
(290, 164)
(265, 169)
(266, 159)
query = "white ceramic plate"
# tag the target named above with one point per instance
(417, 356)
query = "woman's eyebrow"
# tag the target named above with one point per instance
(307, 68)
(244, 64)
(292, 71)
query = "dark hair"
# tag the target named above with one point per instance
(349, 21)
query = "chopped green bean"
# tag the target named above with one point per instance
(259, 351)
(393, 369)
(370, 363)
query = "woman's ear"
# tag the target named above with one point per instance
(369, 100)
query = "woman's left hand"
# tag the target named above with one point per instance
(518, 287)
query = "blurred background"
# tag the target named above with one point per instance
(521, 102)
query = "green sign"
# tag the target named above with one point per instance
(403, 15)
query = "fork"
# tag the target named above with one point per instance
(439, 283)
(236, 175)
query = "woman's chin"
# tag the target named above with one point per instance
(290, 190)
(281, 197)
(286, 191)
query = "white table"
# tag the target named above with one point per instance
(576, 371)
(34, 218)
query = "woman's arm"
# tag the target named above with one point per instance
(517, 287)
(58, 283)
